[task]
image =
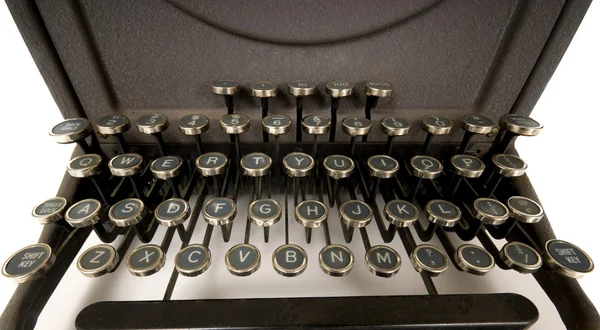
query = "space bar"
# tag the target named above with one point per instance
(501, 311)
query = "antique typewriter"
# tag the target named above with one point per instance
(391, 198)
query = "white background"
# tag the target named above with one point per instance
(562, 160)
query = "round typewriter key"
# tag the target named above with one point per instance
(338, 167)
(467, 166)
(434, 125)
(429, 259)
(126, 165)
(401, 213)
(192, 260)
(442, 213)
(520, 125)
(477, 124)
(219, 211)
(146, 260)
(356, 126)
(211, 163)
(336, 260)
(263, 89)
(166, 167)
(383, 261)
(172, 212)
(567, 259)
(426, 167)
(521, 257)
(227, 88)
(311, 213)
(98, 260)
(84, 166)
(464, 166)
(113, 124)
(302, 88)
(152, 124)
(474, 124)
(381, 166)
(524, 209)
(243, 259)
(224, 87)
(474, 259)
(256, 164)
(374, 91)
(298, 164)
(194, 124)
(378, 88)
(392, 127)
(506, 166)
(337, 90)
(234, 123)
(29, 263)
(509, 165)
(84, 213)
(50, 210)
(289, 260)
(71, 130)
(490, 212)
(514, 125)
(355, 213)
(127, 212)
(395, 126)
(264, 212)
(276, 124)
(316, 125)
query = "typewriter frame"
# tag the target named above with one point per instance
(575, 309)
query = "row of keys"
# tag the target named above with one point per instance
(75, 130)
(354, 214)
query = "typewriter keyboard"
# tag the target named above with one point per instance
(226, 234)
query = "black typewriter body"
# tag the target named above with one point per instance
(338, 121)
